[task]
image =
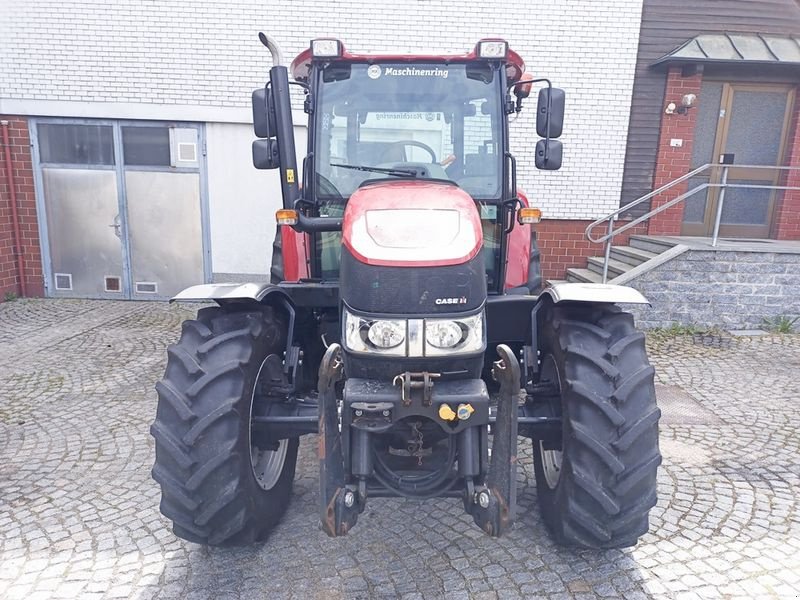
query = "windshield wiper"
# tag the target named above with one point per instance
(395, 172)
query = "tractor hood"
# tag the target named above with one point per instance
(418, 223)
(412, 248)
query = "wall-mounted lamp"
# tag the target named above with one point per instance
(687, 102)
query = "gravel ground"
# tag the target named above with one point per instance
(79, 512)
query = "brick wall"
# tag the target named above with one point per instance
(563, 245)
(26, 210)
(205, 53)
(674, 162)
(787, 223)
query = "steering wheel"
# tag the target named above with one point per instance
(405, 143)
(326, 188)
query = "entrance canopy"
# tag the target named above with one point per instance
(736, 48)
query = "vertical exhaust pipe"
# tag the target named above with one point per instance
(272, 45)
(282, 102)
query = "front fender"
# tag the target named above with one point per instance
(228, 291)
(593, 292)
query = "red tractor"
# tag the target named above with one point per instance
(405, 323)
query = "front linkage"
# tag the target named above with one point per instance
(492, 502)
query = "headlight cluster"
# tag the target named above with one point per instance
(414, 337)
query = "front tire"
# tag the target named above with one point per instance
(597, 489)
(217, 486)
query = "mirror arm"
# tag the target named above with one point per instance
(518, 107)
(317, 224)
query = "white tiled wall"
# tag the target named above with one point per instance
(205, 53)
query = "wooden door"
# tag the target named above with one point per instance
(751, 126)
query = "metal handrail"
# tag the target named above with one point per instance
(723, 185)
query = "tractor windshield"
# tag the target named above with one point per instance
(442, 120)
(402, 120)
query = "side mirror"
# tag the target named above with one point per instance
(548, 155)
(551, 101)
(263, 114)
(265, 154)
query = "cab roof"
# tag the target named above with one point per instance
(301, 65)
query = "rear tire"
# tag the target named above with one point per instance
(214, 488)
(598, 489)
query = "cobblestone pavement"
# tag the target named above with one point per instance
(79, 512)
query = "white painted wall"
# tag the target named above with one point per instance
(242, 200)
(201, 58)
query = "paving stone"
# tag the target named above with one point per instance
(79, 511)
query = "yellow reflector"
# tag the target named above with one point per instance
(286, 216)
(529, 216)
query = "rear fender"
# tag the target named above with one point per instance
(223, 292)
(600, 293)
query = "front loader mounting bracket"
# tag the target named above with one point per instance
(494, 505)
(339, 503)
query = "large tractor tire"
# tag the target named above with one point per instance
(597, 489)
(217, 487)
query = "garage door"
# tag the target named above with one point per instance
(123, 205)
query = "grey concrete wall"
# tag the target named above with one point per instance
(733, 290)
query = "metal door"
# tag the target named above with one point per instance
(162, 183)
(750, 123)
(80, 195)
(121, 208)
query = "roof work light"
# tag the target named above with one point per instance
(326, 48)
(492, 49)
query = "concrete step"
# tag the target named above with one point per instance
(552, 282)
(650, 244)
(630, 255)
(615, 267)
(583, 276)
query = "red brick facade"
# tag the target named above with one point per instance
(563, 244)
(787, 223)
(26, 212)
(673, 162)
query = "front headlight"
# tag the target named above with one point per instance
(386, 334)
(383, 336)
(443, 334)
(454, 336)
(400, 337)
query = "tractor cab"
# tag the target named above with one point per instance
(394, 118)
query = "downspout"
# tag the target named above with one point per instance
(14, 215)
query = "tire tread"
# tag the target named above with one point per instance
(608, 476)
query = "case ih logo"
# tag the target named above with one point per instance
(462, 300)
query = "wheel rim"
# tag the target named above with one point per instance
(551, 459)
(267, 465)
(551, 465)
